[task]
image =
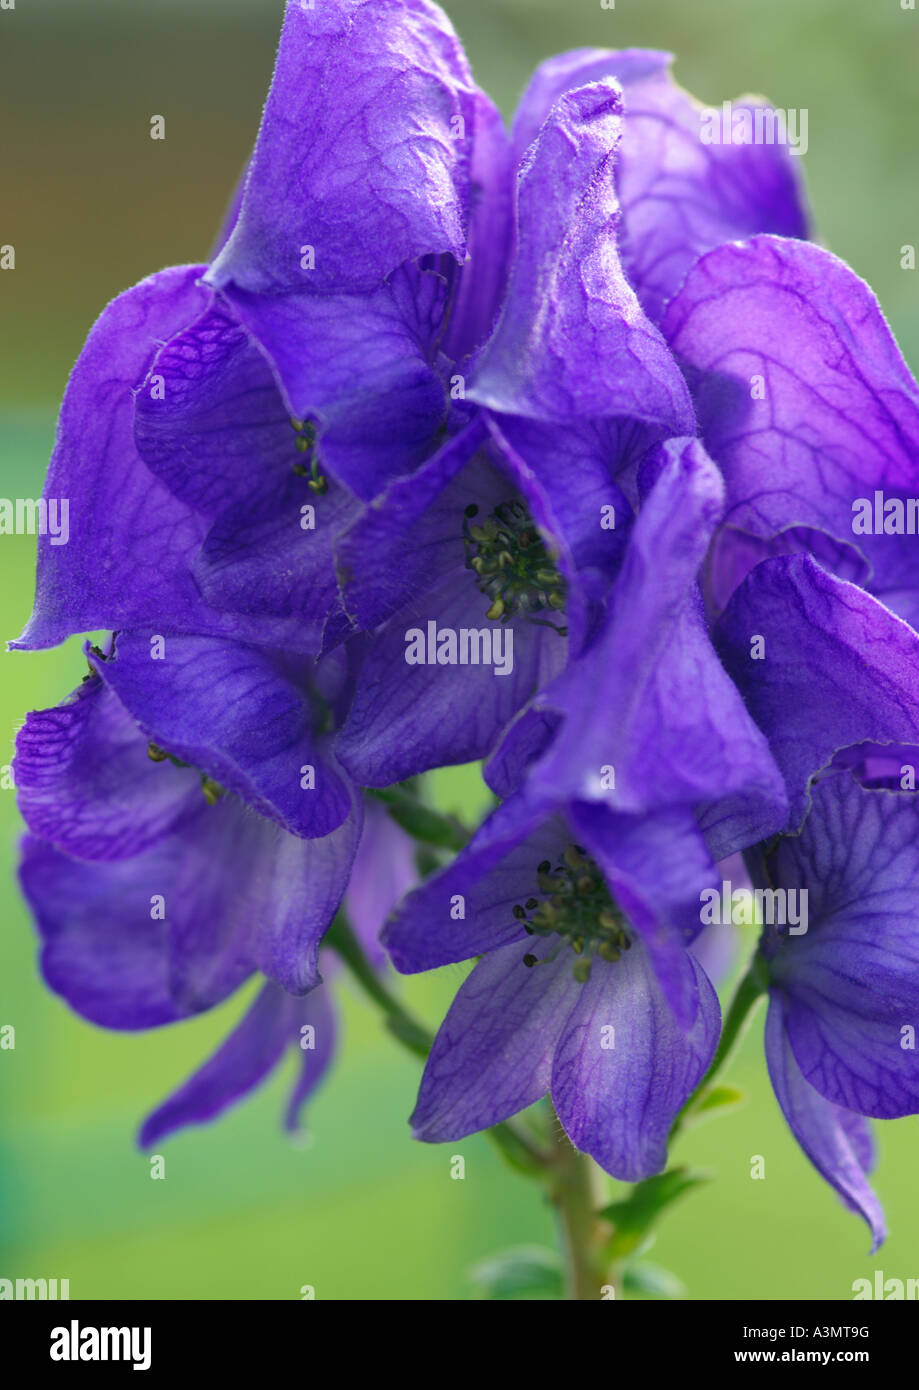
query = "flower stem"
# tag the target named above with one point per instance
(577, 1197)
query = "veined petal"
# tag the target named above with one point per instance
(235, 713)
(361, 151)
(804, 398)
(572, 343)
(624, 1068)
(820, 664)
(492, 1056)
(86, 785)
(680, 196)
(837, 1142)
(850, 982)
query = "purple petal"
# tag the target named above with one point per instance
(492, 1056)
(572, 342)
(86, 785)
(482, 280)
(618, 1102)
(859, 681)
(671, 726)
(414, 530)
(406, 718)
(241, 1063)
(850, 984)
(106, 951)
(318, 1013)
(467, 908)
(127, 561)
(836, 414)
(310, 878)
(384, 871)
(209, 419)
(273, 555)
(837, 1142)
(235, 713)
(680, 196)
(358, 153)
(656, 867)
(359, 365)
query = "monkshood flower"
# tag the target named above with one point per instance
(222, 421)
(571, 996)
(158, 892)
(198, 803)
(526, 508)
(840, 1033)
(599, 869)
(670, 729)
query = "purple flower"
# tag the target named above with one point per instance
(385, 219)
(158, 891)
(576, 989)
(146, 836)
(840, 1036)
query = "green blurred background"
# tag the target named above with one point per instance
(92, 204)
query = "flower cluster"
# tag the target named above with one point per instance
(540, 448)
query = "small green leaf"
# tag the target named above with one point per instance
(524, 1272)
(635, 1214)
(651, 1281)
(717, 1098)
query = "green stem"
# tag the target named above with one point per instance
(420, 821)
(577, 1197)
(511, 1141)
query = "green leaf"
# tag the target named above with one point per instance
(635, 1214)
(651, 1281)
(717, 1098)
(523, 1272)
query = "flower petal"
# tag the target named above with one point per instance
(618, 1092)
(492, 1056)
(86, 785)
(467, 908)
(235, 713)
(850, 984)
(804, 398)
(680, 196)
(837, 1142)
(820, 664)
(248, 1055)
(406, 718)
(361, 365)
(671, 729)
(572, 343)
(105, 948)
(358, 153)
